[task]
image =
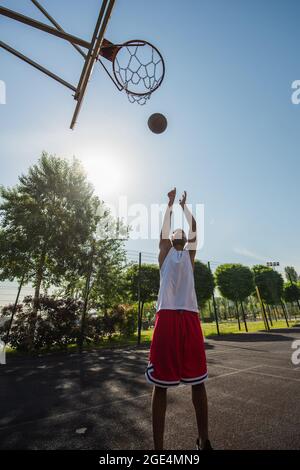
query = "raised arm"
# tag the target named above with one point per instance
(192, 236)
(165, 242)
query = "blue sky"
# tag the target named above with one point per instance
(233, 135)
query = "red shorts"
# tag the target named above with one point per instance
(177, 352)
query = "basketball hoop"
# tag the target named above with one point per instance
(138, 68)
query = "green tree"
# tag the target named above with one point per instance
(236, 283)
(291, 274)
(270, 284)
(291, 293)
(51, 212)
(105, 263)
(204, 283)
(147, 278)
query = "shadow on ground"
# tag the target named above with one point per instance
(261, 336)
(43, 392)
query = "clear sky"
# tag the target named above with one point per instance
(233, 135)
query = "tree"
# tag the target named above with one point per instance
(147, 277)
(236, 283)
(270, 284)
(291, 293)
(108, 285)
(48, 215)
(204, 283)
(291, 274)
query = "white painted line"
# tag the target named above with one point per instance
(274, 376)
(220, 350)
(236, 371)
(237, 350)
(280, 367)
(231, 368)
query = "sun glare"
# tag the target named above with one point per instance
(106, 173)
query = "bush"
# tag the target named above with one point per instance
(94, 329)
(59, 320)
(126, 319)
(57, 323)
(17, 334)
(129, 326)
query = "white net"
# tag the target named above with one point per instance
(139, 69)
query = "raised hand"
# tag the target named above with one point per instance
(182, 201)
(171, 196)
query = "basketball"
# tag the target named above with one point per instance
(157, 123)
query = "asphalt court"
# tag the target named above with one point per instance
(100, 400)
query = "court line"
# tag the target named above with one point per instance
(283, 368)
(292, 369)
(83, 410)
(275, 376)
(236, 349)
(235, 371)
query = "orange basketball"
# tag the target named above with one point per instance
(157, 123)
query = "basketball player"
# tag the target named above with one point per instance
(177, 353)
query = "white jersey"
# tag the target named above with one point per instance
(177, 285)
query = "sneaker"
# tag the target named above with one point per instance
(206, 446)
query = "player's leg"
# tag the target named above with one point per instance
(194, 372)
(163, 369)
(199, 399)
(159, 406)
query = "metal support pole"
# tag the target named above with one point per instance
(86, 297)
(139, 299)
(36, 65)
(92, 55)
(57, 25)
(43, 27)
(215, 306)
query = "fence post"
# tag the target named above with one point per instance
(139, 299)
(14, 308)
(215, 306)
(86, 297)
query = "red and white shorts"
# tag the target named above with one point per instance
(177, 352)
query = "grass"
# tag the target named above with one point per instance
(209, 330)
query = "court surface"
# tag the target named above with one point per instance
(102, 401)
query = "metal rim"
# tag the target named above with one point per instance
(159, 54)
